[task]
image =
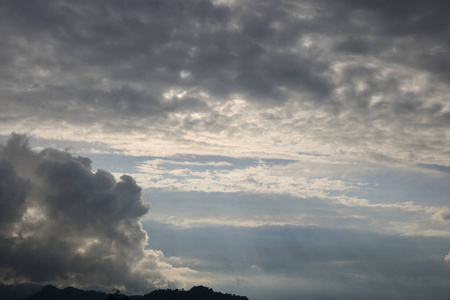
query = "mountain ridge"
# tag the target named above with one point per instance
(50, 292)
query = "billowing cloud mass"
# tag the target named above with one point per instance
(64, 224)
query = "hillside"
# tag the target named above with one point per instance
(196, 293)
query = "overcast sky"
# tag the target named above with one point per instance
(274, 149)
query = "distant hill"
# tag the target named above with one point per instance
(18, 291)
(196, 293)
(50, 292)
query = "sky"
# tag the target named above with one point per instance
(274, 149)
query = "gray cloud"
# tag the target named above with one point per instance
(12, 195)
(356, 263)
(446, 215)
(333, 78)
(147, 66)
(439, 168)
(238, 49)
(62, 223)
(299, 245)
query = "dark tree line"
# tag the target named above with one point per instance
(70, 293)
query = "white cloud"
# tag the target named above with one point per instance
(447, 257)
(260, 178)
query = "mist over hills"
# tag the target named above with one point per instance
(50, 292)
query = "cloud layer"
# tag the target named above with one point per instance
(245, 77)
(64, 224)
(332, 113)
(291, 262)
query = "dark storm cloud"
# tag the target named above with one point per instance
(12, 195)
(62, 223)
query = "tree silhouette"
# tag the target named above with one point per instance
(116, 295)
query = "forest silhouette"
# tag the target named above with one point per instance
(195, 293)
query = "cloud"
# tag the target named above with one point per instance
(340, 80)
(309, 178)
(443, 169)
(260, 177)
(443, 214)
(254, 247)
(64, 224)
(214, 76)
(326, 262)
(12, 196)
